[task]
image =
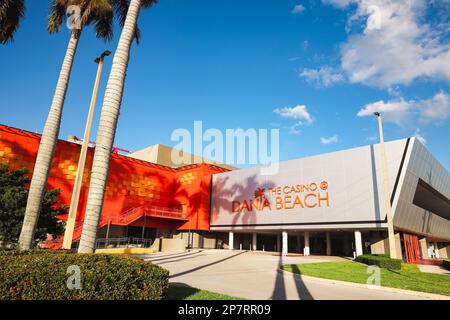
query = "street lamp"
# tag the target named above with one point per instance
(390, 223)
(70, 225)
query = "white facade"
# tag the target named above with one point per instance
(334, 191)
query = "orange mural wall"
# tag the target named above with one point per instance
(131, 183)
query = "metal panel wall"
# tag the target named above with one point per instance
(421, 164)
(350, 179)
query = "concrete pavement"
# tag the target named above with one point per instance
(434, 269)
(257, 276)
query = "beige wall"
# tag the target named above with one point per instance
(379, 242)
(173, 245)
(398, 245)
(444, 249)
(161, 154)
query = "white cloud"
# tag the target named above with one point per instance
(338, 3)
(305, 44)
(330, 140)
(299, 112)
(404, 113)
(436, 108)
(395, 111)
(296, 128)
(298, 9)
(322, 77)
(419, 136)
(395, 44)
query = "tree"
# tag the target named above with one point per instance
(107, 127)
(11, 14)
(13, 197)
(100, 14)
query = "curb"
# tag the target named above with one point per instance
(360, 285)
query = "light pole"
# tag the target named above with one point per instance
(390, 222)
(70, 225)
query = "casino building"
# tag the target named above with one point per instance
(329, 204)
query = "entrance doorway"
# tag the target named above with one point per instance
(266, 242)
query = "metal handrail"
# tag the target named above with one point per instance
(156, 211)
(123, 242)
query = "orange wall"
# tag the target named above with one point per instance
(131, 183)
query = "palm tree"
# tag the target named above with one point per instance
(11, 13)
(99, 14)
(107, 127)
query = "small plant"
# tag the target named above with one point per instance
(381, 261)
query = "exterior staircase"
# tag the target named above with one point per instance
(124, 219)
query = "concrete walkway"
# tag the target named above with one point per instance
(433, 269)
(257, 276)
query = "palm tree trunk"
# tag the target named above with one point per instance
(107, 129)
(46, 149)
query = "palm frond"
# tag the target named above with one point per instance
(11, 14)
(98, 13)
(56, 16)
(148, 3)
(103, 25)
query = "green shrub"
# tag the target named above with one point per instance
(381, 261)
(42, 275)
(446, 264)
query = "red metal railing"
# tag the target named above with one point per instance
(135, 213)
(123, 219)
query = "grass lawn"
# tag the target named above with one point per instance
(409, 278)
(184, 292)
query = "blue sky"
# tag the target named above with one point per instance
(314, 69)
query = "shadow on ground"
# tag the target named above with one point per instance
(180, 291)
(279, 290)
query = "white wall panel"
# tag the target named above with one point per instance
(355, 186)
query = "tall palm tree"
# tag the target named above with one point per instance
(11, 14)
(99, 14)
(107, 127)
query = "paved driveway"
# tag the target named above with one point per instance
(257, 276)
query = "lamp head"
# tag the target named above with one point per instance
(377, 114)
(103, 55)
(106, 53)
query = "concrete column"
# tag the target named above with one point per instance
(231, 241)
(328, 236)
(254, 241)
(423, 248)
(398, 246)
(284, 250)
(358, 243)
(306, 251)
(436, 250)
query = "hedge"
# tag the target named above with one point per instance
(43, 275)
(381, 261)
(446, 264)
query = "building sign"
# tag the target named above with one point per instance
(344, 187)
(287, 197)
